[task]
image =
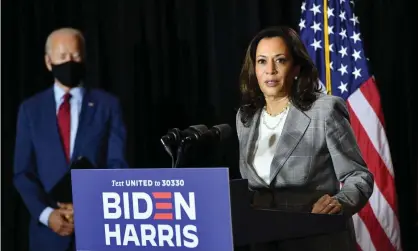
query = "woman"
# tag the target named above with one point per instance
(296, 144)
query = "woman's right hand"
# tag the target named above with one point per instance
(327, 205)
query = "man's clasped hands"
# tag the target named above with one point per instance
(61, 220)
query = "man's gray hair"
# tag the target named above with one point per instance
(67, 30)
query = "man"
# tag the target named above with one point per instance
(54, 128)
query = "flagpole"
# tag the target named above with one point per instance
(326, 50)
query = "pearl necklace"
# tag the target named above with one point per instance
(280, 119)
(283, 109)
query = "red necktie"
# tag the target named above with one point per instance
(64, 124)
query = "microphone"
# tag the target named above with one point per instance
(192, 133)
(176, 138)
(195, 132)
(217, 132)
(202, 146)
(172, 136)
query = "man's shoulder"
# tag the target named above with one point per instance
(102, 95)
(38, 98)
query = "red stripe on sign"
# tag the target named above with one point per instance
(162, 195)
(163, 205)
(163, 216)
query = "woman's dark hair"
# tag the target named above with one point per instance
(303, 92)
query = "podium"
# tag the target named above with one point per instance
(252, 225)
(179, 209)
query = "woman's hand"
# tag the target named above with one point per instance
(326, 205)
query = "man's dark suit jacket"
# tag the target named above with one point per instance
(40, 161)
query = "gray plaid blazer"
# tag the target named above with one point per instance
(316, 152)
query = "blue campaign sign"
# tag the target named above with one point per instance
(152, 209)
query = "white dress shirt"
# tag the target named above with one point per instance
(76, 103)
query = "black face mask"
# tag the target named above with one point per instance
(69, 73)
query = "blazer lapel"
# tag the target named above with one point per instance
(88, 109)
(251, 133)
(294, 129)
(251, 138)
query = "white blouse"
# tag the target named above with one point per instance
(269, 131)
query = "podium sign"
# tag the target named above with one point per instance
(152, 209)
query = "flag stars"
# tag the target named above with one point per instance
(330, 29)
(343, 69)
(315, 9)
(355, 37)
(316, 26)
(356, 55)
(316, 44)
(330, 12)
(331, 47)
(343, 51)
(343, 87)
(302, 24)
(354, 19)
(356, 72)
(345, 54)
(343, 34)
(342, 16)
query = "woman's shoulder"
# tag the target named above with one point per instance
(245, 114)
(325, 105)
(328, 101)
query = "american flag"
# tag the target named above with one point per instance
(343, 72)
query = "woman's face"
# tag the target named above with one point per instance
(274, 67)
